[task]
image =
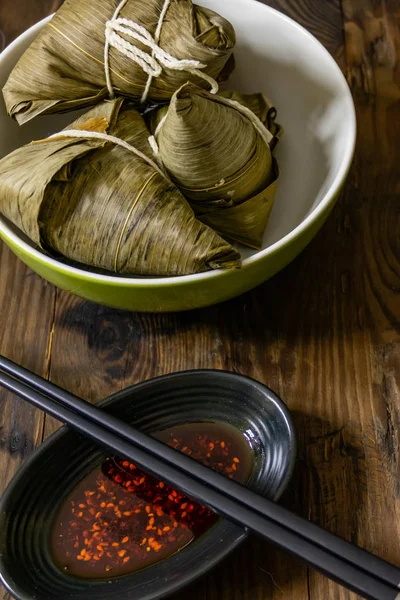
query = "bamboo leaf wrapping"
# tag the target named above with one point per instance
(63, 69)
(262, 107)
(219, 160)
(99, 204)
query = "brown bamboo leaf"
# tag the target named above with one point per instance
(262, 107)
(253, 214)
(64, 69)
(99, 204)
(220, 157)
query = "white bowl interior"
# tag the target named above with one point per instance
(279, 58)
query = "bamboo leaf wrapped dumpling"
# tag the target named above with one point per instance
(262, 107)
(220, 156)
(98, 203)
(207, 147)
(67, 65)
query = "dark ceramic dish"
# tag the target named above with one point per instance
(28, 507)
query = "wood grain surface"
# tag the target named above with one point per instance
(324, 333)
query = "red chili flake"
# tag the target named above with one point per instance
(128, 519)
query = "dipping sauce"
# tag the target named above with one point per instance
(119, 519)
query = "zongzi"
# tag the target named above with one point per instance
(262, 107)
(93, 194)
(142, 49)
(219, 153)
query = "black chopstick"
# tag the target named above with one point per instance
(281, 516)
(235, 507)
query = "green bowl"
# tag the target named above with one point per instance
(276, 56)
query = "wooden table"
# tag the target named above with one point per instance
(324, 333)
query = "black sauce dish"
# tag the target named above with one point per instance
(32, 499)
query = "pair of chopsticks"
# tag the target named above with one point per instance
(360, 571)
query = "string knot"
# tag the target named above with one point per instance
(153, 61)
(147, 62)
(151, 64)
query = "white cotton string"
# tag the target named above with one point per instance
(258, 124)
(153, 139)
(153, 63)
(156, 39)
(161, 20)
(161, 123)
(154, 146)
(96, 135)
(107, 52)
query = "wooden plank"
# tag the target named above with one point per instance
(27, 305)
(353, 448)
(26, 312)
(25, 323)
(18, 15)
(323, 19)
(97, 351)
(118, 349)
(324, 334)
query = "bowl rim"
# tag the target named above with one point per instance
(190, 576)
(163, 281)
